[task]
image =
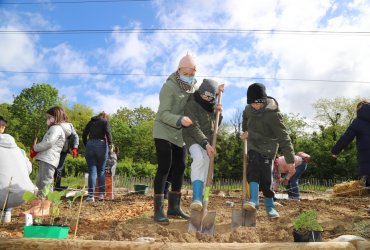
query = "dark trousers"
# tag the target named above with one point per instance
(59, 171)
(170, 158)
(260, 170)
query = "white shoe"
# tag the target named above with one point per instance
(90, 199)
(196, 205)
(101, 197)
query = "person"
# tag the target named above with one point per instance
(14, 167)
(97, 139)
(198, 137)
(71, 141)
(167, 134)
(359, 129)
(292, 175)
(263, 127)
(111, 164)
(47, 152)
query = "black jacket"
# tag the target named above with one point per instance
(359, 128)
(97, 128)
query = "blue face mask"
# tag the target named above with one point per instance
(187, 79)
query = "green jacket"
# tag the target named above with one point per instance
(172, 99)
(201, 131)
(266, 131)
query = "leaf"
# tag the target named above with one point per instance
(78, 194)
(54, 196)
(28, 196)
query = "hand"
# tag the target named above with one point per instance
(286, 182)
(334, 156)
(244, 135)
(74, 152)
(219, 107)
(108, 172)
(210, 150)
(33, 153)
(186, 121)
(221, 88)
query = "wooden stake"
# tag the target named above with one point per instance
(79, 211)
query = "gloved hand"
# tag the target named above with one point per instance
(74, 152)
(33, 153)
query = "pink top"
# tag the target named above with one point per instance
(281, 167)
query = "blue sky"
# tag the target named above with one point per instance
(142, 61)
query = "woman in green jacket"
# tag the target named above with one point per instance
(167, 133)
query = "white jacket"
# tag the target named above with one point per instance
(13, 163)
(48, 150)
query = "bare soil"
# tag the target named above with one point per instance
(130, 217)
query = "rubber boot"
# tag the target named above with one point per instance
(174, 207)
(197, 203)
(252, 204)
(270, 208)
(158, 209)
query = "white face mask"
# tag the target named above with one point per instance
(50, 121)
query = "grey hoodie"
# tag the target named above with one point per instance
(13, 163)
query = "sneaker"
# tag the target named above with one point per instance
(7, 217)
(90, 199)
(196, 205)
(101, 197)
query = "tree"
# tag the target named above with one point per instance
(29, 108)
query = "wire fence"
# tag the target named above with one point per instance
(306, 184)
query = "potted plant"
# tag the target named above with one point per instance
(306, 227)
(42, 228)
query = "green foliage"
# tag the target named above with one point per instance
(75, 166)
(128, 167)
(28, 111)
(307, 221)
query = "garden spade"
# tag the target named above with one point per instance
(242, 217)
(204, 221)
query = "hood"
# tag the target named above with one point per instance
(364, 112)
(7, 141)
(67, 128)
(271, 104)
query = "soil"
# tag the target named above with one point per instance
(130, 217)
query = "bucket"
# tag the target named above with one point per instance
(307, 236)
(141, 189)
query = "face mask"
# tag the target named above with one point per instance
(50, 121)
(187, 79)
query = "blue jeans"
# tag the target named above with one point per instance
(96, 155)
(293, 187)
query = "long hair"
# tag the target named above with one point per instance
(59, 114)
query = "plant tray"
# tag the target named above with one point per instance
(54, 232)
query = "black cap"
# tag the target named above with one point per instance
(256, 93)
(208, 88)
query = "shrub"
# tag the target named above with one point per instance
(307, 221)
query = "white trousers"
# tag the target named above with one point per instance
(200, 164)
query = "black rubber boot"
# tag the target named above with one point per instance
(174, 207)
(158, 210)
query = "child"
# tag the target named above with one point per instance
(263, 126)
(47, 152)
(291, 179)
(198, 137)
(111, 164)
(359, 128)
(72, 141)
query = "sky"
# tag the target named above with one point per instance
(302, 50)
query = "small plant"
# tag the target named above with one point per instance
(307, 221)
(52, 196)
